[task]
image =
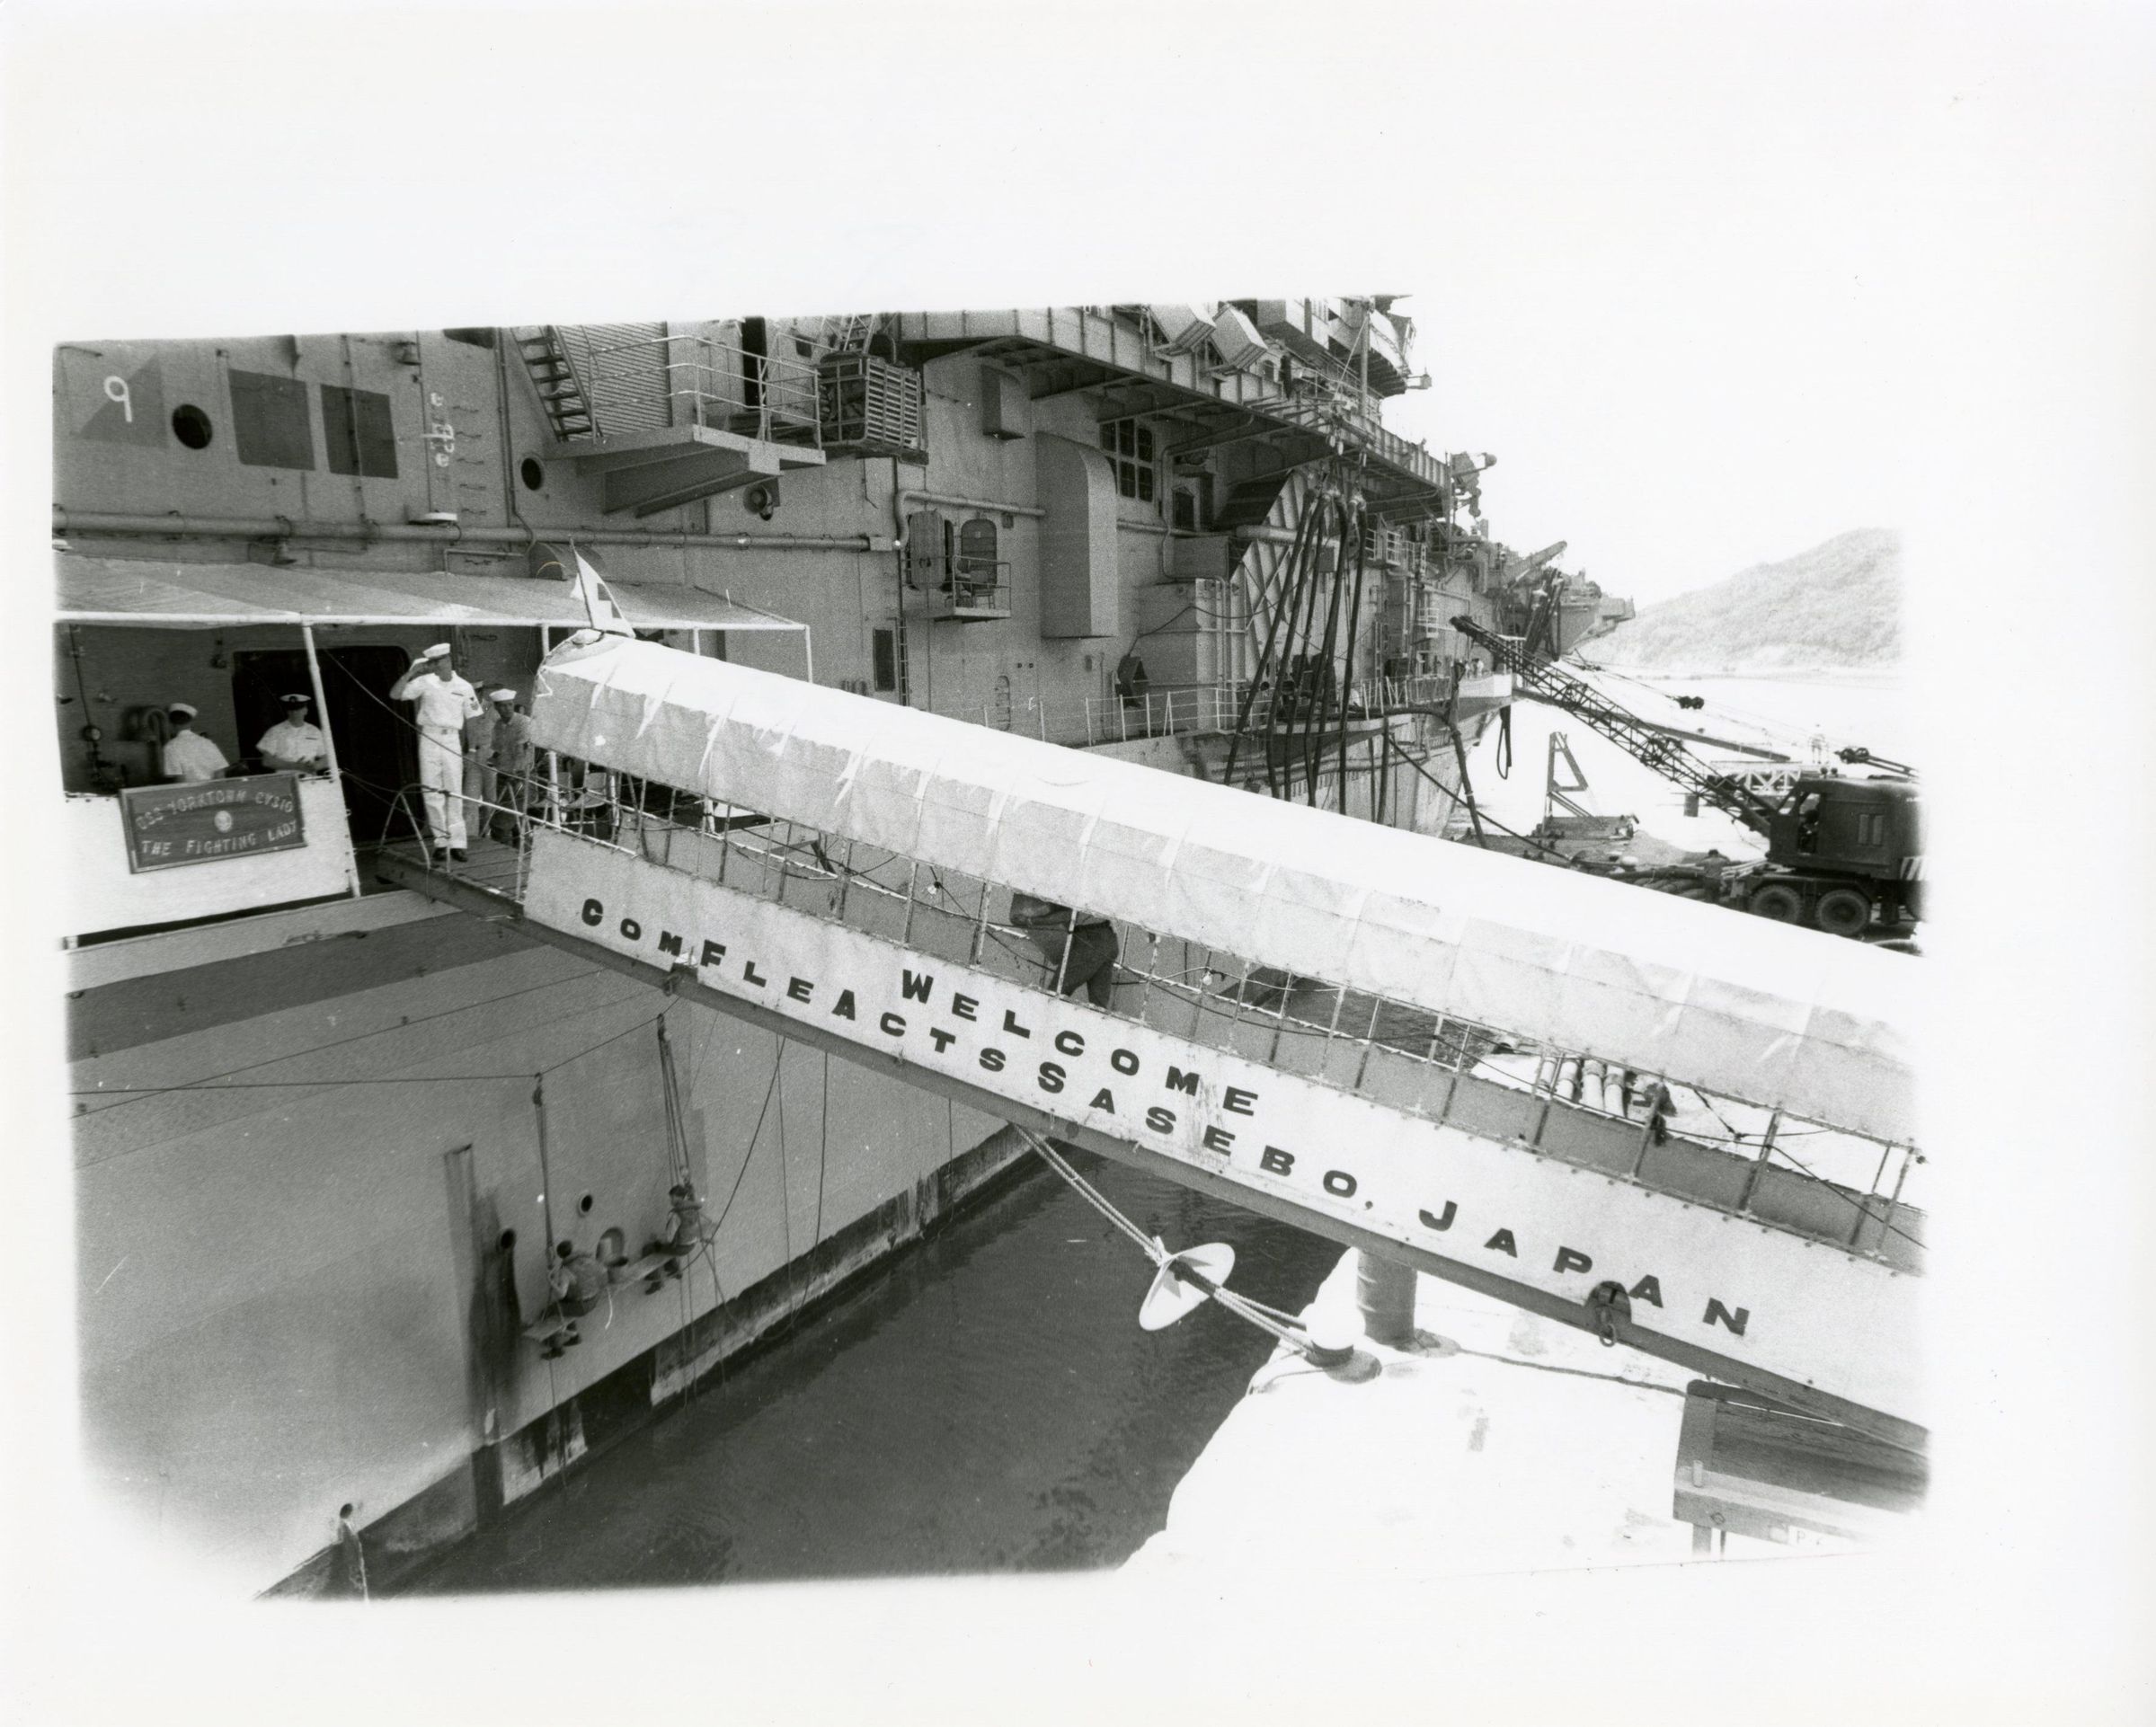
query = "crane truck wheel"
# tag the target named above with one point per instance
(1778, 900)
(1843, 912)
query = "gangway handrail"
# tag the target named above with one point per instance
(1655, 983)
(1453, 1052)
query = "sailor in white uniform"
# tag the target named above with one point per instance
(188, 755)
(513, 756)
(293, 745)
(444, 702)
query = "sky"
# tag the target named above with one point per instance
(1679, 343)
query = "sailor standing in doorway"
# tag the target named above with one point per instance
(293, 745)
(444, 702)
(514, 755)
(188, 755)
(479, 767)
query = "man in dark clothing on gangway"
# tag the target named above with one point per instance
(1080, 946)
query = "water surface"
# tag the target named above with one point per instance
(984, 1403)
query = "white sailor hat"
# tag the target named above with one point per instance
(296, 701)
(186, 708)
(437, 652)
(503, 695)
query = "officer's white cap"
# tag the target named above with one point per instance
(501, 696)
(188, 708)
(297, 701)
(436, 651)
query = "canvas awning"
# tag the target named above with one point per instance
(159, 593)
(1753, 1009)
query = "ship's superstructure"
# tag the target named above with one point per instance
(329, 1134)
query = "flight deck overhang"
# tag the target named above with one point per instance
(162, 594)
(1058, 351)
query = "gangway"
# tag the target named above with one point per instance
(1624, 1112)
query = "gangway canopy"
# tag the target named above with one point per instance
(159, 593)
(1742, 1006)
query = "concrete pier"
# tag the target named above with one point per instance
(1492, 1441)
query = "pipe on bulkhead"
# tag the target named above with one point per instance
(950, 502)
(292, 527)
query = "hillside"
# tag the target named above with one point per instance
(1837, 605)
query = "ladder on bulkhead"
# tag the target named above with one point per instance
(849, 334)
(554, 375)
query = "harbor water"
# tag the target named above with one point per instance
(984, 1402)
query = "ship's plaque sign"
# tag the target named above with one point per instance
(207, 821)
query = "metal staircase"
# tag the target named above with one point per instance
(850, 334)
(562, 394)
(667, 419)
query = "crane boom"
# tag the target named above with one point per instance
(1763, 753)
(1858, 756)
(1653, 746)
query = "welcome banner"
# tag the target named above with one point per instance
(1788, 1305)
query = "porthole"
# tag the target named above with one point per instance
(192, 426)
(533, 475)
(583, 1206)
(508, 1240)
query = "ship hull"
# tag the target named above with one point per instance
(315, 1213)
(309, 1241)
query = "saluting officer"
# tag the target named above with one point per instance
(444, 702)
(294, 744)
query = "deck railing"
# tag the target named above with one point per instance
(655, 381)
(1180, 710)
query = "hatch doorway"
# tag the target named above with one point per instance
(376, 750)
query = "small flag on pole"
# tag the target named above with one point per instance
(599, 604)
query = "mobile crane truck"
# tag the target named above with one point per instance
(1844, 855)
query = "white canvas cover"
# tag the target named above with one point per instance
(1739, 1006)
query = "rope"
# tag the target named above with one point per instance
(823, 1149)
(291, 1085)
(786, 1189)
(1237, 1304)
(357, 1037)
(1777, 730)
(1886, 1221)
(1525, 839)
(601, 1044)
(750, 1155)
(1574, 1373)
